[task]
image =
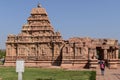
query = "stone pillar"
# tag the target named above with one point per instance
(117, 52)
(37, 52)
(11, 51)
(113, 54)
(90, 53)
(94, 54)
(93, 63)
(74, 44)
(109, 55)
(53, 51)
(18, 52)
(105, 53)
(105, 48)
(112, 64)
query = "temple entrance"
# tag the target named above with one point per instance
(100, 53)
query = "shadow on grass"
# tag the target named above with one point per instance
(93, 75)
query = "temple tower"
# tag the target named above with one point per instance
(37, 40)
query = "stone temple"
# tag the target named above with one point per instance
(40, 46)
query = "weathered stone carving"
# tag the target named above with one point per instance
(39, 45)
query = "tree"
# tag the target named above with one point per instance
(2, 53)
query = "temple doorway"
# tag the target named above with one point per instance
(100, 53)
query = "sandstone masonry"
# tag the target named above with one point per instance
(40, 46)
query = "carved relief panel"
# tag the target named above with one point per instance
(67, 52)
(44, 52)
(84, 52)
(56, 50)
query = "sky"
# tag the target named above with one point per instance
(73, 18)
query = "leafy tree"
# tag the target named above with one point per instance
(2, 53)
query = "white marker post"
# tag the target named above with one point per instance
(20, 68)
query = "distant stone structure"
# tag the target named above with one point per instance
(40, 46)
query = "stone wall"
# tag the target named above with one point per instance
(39, 45)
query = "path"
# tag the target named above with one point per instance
(110, 74)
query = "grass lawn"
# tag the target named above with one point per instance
(8, 73)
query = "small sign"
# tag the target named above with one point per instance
(20, 66)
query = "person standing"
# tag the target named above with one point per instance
(102, 66)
